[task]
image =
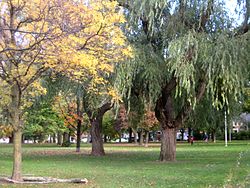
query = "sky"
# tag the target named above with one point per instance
(232, 5)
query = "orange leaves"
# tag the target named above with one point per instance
(67, 108)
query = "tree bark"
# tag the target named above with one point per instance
(168, 146)
(135, 136)
(17, 153)
(11, 138)
(96, 129)
(165, 113)
(66, 137)
(189, 134)
(141, 138)
(130, 135)
(79, 124)
(15, 120)
(59, 139)
(54, 138)
(78, 135)
(96, 137)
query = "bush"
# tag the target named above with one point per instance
(66, 144)
(242, 135)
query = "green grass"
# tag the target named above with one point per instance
(201, 165)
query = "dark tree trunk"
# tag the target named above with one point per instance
(182, 134)
(54, 138)
(59, 139)
(11, 138)
(120, 137)
(78, 135)
(79, 124)
(130, 135)
(189, 134)
(168, 146)
(141, 138)
(96, 137)
(105, 138)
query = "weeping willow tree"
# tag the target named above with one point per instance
(185, 50)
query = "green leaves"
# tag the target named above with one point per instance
(43, 120)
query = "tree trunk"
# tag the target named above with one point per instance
(120, 137)
(54, 138)
(105, 139)
(15, 120)
(79, 124)
(17, 153)
(141, 138)
(66, 137)
(130, 135)
(189, 134)
(59, 139)
(147, 138)
(168, 144)
(78, 135)
(96, 137)
(214, 136)
(135, 136)
(11, 138)
(96, 128)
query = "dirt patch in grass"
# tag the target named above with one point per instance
(62, 152)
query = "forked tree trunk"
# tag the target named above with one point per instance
(168, 144)
(96, 137)
(96, 128)
(17, 153)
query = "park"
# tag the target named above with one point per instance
(127, 165)
(120, 93)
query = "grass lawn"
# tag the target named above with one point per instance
(200, 165)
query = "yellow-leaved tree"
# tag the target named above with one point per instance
(77, 38)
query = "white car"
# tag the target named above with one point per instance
(4, 140)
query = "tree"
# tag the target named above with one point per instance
(109, 131)
(42, 121)
(96, 105)
(73, 37)
(185, 50)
